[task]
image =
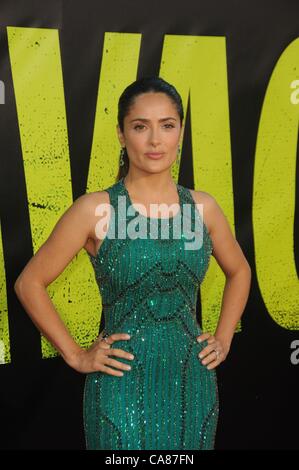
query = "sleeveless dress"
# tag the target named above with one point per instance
(149, 287)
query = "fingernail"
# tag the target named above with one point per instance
(131, 357)
(128, 336)
(201, 356)
(199, 340)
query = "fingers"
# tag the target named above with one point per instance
(117, 364)
(105, 348)
(203, 336)
(119, 353)
(109, 371)
(213, 364)
(109, 339)
(211, 358)
(118, 336)
(211, 354)
(114, 363)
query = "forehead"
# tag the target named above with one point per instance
(158, 103)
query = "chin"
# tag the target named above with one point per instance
(158, 170)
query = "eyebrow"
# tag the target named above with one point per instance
(148, 120)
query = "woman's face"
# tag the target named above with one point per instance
(152, 125)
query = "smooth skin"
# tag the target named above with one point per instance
(152, 125)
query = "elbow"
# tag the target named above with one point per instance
(246, 273)
(17, 286)
(248, 268)
(245, 267)
(24, 283)
(20, 284)
(244, 270)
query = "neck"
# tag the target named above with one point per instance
(161, 183)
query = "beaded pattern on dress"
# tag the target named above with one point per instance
(149, 288)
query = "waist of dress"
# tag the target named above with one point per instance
(186, 323)
(159, 338)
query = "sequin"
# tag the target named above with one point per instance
(149, 287)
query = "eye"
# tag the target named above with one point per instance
(171, 125)
(139, 126)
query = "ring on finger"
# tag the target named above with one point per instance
(105, 336)
(217, 353)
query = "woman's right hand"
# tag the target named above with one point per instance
(96, 358)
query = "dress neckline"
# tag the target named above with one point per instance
(177, 214)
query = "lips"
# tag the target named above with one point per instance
(154, 155)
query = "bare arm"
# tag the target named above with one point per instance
(233, 263)
(68, 237)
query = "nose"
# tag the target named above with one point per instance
(155, 136)
(155, 139)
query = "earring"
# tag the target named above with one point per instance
(121, 159)
(177, 157)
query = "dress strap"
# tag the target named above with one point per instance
(195, 212)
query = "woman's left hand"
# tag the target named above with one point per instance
(214, 353)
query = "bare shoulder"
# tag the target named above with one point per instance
(73, 231)
(90, 203)
(209, 204)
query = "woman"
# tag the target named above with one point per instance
(151, 379)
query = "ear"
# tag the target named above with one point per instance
(182, 134)
(120, 136)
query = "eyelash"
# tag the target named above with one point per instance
(141, 125)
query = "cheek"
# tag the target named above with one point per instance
(172, 137)
(137, 141)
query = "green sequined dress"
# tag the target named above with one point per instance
(149, 287)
